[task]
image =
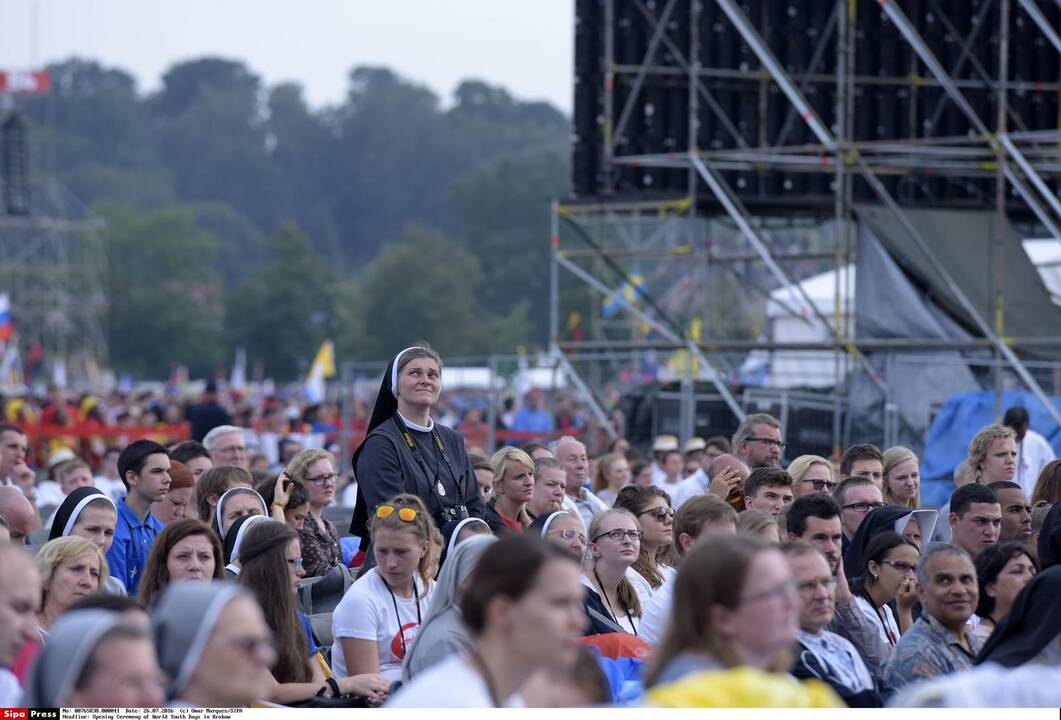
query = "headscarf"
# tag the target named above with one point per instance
(883, 519)
(926, 519)
(184, 618)
(71, 640)
(232, 491)
(1032, 623)
(453, 528)
(541, 524)
(234, 536)
(462, 561)
(1049, 546)
(67, 514)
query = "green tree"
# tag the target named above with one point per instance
(283, 311)
(162, 291)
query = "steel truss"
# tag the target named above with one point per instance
(1001, 148)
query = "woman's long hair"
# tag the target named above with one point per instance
(894, 456)
(156, 572)
(604, 466)
(636, 498)
(263, 570)
(626, 592)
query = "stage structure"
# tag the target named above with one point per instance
(725, 151)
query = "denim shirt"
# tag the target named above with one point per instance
(928, 650)
(132, 543)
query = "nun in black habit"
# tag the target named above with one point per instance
(406, 451)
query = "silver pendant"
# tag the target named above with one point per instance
(441, 489)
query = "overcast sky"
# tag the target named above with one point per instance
(524, 45)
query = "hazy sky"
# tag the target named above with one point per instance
(524, 45)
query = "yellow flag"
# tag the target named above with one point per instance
(324, 363)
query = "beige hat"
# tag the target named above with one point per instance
(693, 444)
(664, 443)
(58, 457)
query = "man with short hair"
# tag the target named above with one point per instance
(863, 459)
(815, 519)
(939, 642)
(857, 497)
(757, 442)
(721, 476)
(144, 466)
(20, 597)
(13, 449)
(20, 514)
(962, 477)
(1016, 511)
(550, 483)
(227, 446)
(572, 456)
(194, 456)
(1033, 450)
(824, 655)
(715, 446)
(700, 517)
(768, 489)
(975, 518)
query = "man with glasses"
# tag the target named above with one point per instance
(857, 496)
(757, 442)
(822, 654)
(227, 446)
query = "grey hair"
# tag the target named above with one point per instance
(746, 428)
(210, 441)
(938, 549)
(561, 440)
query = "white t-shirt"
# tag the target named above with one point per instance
(642, 587)
(366, 612)
(1033, 453)
(450, 683)
(10, 691)
(656, 613)
(690, 487)
(888, 628)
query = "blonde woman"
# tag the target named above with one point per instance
(993, 454)
(321, 550)
(71, 568)
(811, 474)
(609, 476)
(513, 488)
(902, 478)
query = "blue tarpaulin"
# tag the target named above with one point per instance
(960, 418)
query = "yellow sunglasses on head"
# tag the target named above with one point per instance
(407, 514)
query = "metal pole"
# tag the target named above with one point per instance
(840, 219)
(1039, 19)
(587, 395)
(609, 92)
(639, 80)
(554, 274)
(346, 427)
(998, 267)
(491, 409)
(1027, 169)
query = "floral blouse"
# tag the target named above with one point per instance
(320, 548)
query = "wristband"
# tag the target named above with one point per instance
(280, 505)
(336, 692)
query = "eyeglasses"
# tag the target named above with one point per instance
(658, 513)
(806, 588)
(250, 645)
(405, 514)
(779, 444)
(617, 535)
(861, 507)
(295, 562)
(820, 485)
(783, 591)
(569, 535)
(323, 479)
(900, 565)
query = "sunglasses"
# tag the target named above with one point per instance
(659, 513)
(405, 513)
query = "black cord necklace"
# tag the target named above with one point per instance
(488, 679)
(398, 615)
(609, 602)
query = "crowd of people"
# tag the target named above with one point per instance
(706, 575)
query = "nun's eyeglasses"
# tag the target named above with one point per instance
(406, 514)
(569, 535)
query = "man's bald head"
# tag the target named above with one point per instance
(20, 595)
(20, 514)
(722, 462)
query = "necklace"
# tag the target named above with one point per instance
(608, 602)
(398, 615)
(488, 679)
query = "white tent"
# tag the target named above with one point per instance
(1046, 256)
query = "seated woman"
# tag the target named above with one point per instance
(377, 620)
(563, 529)
(288, 500)
(70, 568)
(735, 603)
(457, 531)
(88, 513)
(887, 577)
(651, 507)
(321, 550)
(215, 482)
(234, 539)
(214, 645)
(611, 600)
(610, 476)
(1002, 571)
(513, 488)
(236, 503)
(523, 608)
(443, 632)
(271, 568)
(186, 550)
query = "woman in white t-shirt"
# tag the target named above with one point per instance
(523, 606)
(376, 622)
(888, 573)
(651, 507)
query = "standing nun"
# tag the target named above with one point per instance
(405, 451)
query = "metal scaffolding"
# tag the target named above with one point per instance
(1003, 149)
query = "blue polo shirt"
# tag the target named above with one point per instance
(132, 542)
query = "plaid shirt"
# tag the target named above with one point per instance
(929, 650)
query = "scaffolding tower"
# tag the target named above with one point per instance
(991, 155)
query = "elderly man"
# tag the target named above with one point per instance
(822, 654)
(21, 516)
(227, 446)
(757, 442)
(939, 643)
(720, 475)
(572, 456)
(20, 597)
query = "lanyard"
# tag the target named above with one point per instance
(438, 488)
(398, 615)
(607, 602)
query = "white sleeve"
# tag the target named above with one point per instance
(655, 614)
(356, 616)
